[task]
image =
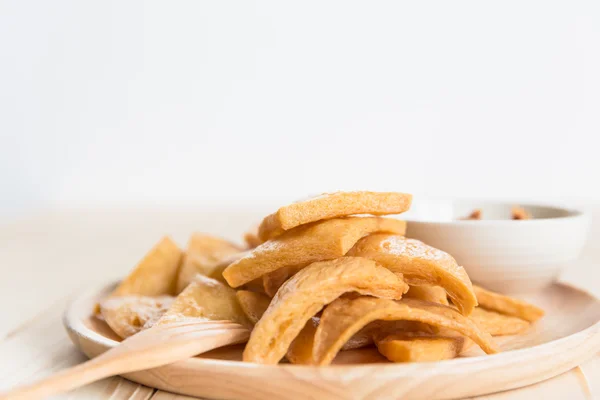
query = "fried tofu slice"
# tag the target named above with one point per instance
(253, 304)
(255, 285)
(251, 238)
(273, 280)
(324, 240)
(507, 305)
(434, 294)
(497, 324)
(155, 274)
(204, 254)
(207, 299)
(369, 355)
(360, 339)
(412, 341)
(420, 264)
(332, 205)
(306, 293)
(421, 347)
(300, 351)
(128, 315)
(344, 317)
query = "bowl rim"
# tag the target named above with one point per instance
(572, 213)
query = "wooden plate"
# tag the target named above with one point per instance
(564, 338)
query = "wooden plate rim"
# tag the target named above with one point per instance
(74, 325)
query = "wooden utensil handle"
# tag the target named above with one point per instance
(151, 348)
(63, 381)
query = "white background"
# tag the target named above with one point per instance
(162, 103)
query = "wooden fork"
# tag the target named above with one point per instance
(159, 345)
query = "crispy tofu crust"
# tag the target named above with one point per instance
(507, 305)
(324, 240)
(306, 293)
(420, 264)
(497, 324)
(332, 205)
(206, 299)
(252, 240)
(273, 280)
(344, 317)
(421, 347)
(434, 294)
(203, 255)
(128, 315)
(255, 285)
(155, 274)
(253, 304)
(300, 351)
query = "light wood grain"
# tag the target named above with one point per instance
(159, 345)
(567, 336)
(573, 384)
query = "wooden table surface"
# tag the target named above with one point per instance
(46, 259)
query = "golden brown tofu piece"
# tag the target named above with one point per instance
(306, 293)
(155, 274)
(253, 304)
(251, 238)
(332, 205)
(434, 294)
(274, 280)
(420, 264)
(421, 347)
(203, 256)
(344, 317)
(255, 285)
(497, 324)
(362, 338)
(300, 350)
(208, 299)
(324, 240)
(507, 305)
(128, 315)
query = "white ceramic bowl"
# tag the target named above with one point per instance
(499, 253)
